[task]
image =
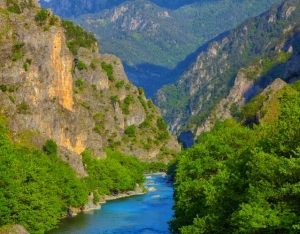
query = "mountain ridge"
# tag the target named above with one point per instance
(216, 69)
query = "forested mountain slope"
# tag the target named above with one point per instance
(151, 39)
(236, 67)
(242, 180)
(67, 116)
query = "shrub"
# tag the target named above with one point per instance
(50, 148)
(161, 124)
(79, 82)
(114, 98)
(81, 65)
(25, 66)
(13, 7)
(77, 37)
(53, 20)
(120, 84)
(108, 68)
(41, 16)
(3, 88)
(130, 131)
(23, 108)
(12, 99)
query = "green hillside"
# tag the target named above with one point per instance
(238, 179)
(187, 103)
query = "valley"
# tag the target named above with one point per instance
(76, 131)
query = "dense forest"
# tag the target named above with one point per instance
(241, 177)
(37, 187)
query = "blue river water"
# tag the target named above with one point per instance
(143, 214)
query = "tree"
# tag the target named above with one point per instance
(50, 147)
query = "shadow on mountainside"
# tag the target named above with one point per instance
(153, 77)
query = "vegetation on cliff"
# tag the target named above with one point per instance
(242, 180)
(36, 187)
(152, 37)
(258, 41)
(83, 103)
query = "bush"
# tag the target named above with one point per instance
(108, 68)
(25, 66)
(81, 65)
(130, 131)
(23, 108)
(13, 7)
(41, 16)
(3, 88)
(161, 124)
(50, 148)
(120, 84)
(77, 37)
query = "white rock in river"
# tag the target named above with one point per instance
(150, 189)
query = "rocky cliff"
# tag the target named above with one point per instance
(81, 100)
(233, 70)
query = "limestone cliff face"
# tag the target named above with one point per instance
(44, 92)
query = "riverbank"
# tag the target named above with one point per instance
(146, 213)
(140, 190)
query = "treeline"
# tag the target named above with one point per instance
(37, 187)
(243, 180)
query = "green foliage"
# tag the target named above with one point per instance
(114, 99)
(162, 126)
(255, 53)
(126, 104)
(120, 84)
(238, 180)
(25, 66)
(250, 110)
(12, 89)
(50, 148)
(80, 85)
(11, 98)
(163, 136)
(53, 20)
(152, 167)
(79, 82)
(17, 47)
(179, 35)
(130, 131)
(23, 108)
(81, 65)
(144, 104)
(17, 51)
(13, 6)
(116, 173)
(94, 64)
(41, 17)
(77, 37)
(108, 68)
(3, 88)
(35, 189)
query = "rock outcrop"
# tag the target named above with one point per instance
(45, 94)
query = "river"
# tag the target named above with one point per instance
(143, 214)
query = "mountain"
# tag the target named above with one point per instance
(239, 179)
(241, 174)
(152, 37)
(233, 70)
(73, 9)
(91, 100)
(73, 128)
